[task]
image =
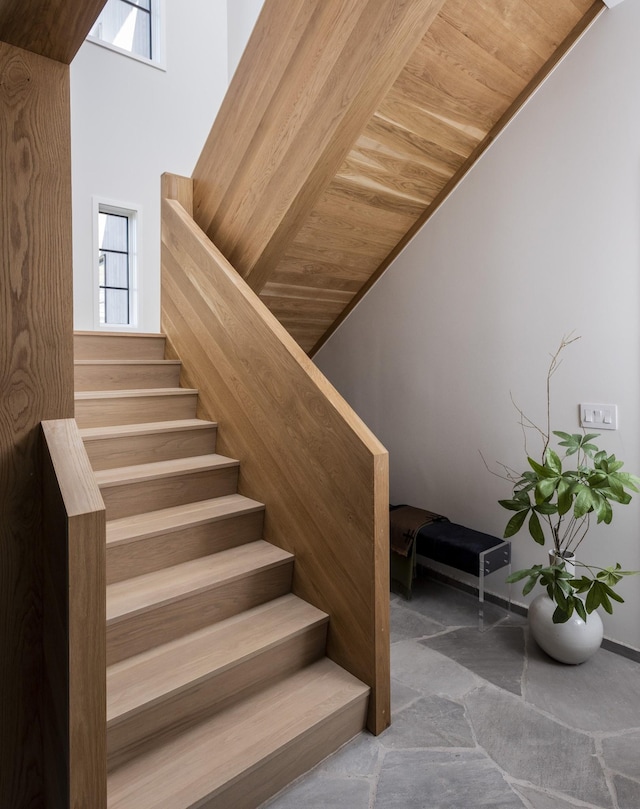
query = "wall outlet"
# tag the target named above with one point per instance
(599, 416)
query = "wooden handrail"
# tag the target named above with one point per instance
(74, 616)
(321, 473)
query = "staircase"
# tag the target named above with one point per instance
(218, 690)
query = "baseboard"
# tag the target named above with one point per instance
(520, 609)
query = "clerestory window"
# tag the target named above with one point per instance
(131, 27)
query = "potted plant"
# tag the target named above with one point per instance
(558, 497)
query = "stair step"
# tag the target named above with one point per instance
(128, 490)
(245, 754)
(159, 607)
(89, 345)
(173, 685)
(104, 408)
(126, 374)
(146, 542)
(127, 444)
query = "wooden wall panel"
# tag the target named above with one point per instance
(74, 623)
(51, 28)
(36, 381)
(291, 116)
(304, 453)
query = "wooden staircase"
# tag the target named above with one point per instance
(218, 690)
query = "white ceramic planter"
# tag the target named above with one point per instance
(572, 642)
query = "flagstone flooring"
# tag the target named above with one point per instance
(485, 721)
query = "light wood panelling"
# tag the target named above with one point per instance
(74, 613)
(347, 55)
(195, 676)
(317, 192)
(36, 383)
(163, 484)
(159, 607)
(127, 444)
(110, 408)
(143, 543)
(303, 451)
(312, 712)
(52, 28)
(125, 374)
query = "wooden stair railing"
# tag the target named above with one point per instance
(74, 629)
(321, 473)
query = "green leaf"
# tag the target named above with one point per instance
(515, 523)
(511, 505)
(537, 468)
(580, 609)
(560, 616)
(535, 529)
(553, 461)
(545, 489)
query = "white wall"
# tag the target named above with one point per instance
(130, 123)
(542, 237)
(242, 16)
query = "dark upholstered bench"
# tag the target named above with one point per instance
(456, 546)
(463, 549)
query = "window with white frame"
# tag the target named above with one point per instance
(116, 241)
(132, 27)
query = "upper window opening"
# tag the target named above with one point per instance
(130, 26)
(115, 237)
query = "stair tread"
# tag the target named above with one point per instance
(99, 361)
(166, 520)
(141, 593)
(83, 333)
(198, 762)
(120, 475)
(145, 428)
(81, 395)
(146, 678)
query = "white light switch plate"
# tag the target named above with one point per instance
(599, 416)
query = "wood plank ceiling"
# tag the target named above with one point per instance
(473, 65)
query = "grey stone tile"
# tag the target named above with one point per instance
(401, 696)
(628, 792)
(444, 604)
(430, 722)
(321, 792)
(622, 753)
(602, 694)
(496, 655)
(429, 671)
(546, 800)
(531, 747)
(407, 623)
(359, 757)
(428, 780)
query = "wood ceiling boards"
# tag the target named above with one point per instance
(311, 214)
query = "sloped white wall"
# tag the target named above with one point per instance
(542, 237)
(130, 123)
(242, 16)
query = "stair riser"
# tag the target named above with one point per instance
(251, 788)
(106, 412)
(165, 622)
(147, 555)
(222, 689)
(109, 453)
(123, 500)
(126, 377)
(118, 347)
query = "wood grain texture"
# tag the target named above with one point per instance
(346, 56)
(51, 28)
(303, 452)
(36, 383)
(74, 617)
(321, 166)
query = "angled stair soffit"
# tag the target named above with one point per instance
(344, 129)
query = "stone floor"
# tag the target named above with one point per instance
(485, 721)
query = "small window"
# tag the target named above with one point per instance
(130, 26)
(116, 231)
